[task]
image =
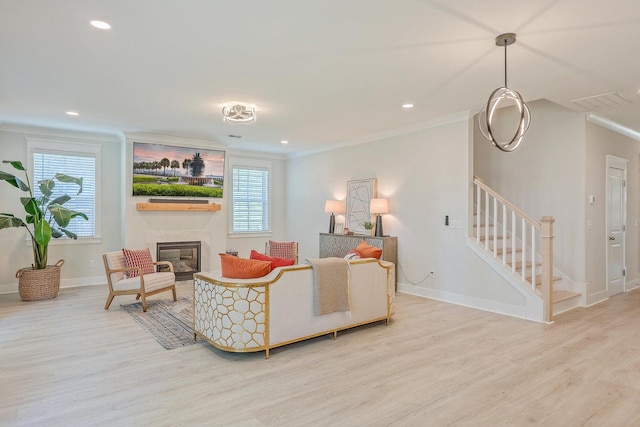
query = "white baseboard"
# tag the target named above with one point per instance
(12, 288)
(519, 311)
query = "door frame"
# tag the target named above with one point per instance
(622, 164)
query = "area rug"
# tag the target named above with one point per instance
(170, 323)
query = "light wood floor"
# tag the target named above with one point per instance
(68, 362)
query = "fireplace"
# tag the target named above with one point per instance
(185, 257)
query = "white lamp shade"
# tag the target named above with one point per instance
(379, 206)
(334, 206)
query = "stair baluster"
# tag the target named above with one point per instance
(518, 241)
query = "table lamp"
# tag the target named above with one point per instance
(379, 207)
(333, 207)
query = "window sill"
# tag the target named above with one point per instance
(249, 235)
(67, 241)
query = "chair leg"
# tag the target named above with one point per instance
(138, 297)
(144, 304)
(173, 289)
(109, 299)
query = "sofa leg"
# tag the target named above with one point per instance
(173, 289)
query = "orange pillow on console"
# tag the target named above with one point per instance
(365, 250)
(275, 261)
(242, 268)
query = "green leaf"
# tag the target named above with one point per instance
(60, 200)
(70, 234)
(42, 232)
(31, 206)
(55, 233)
(8, 221)
(13, 180)
(66, 178)
(63, 216)
(16, 164)
(46, 187)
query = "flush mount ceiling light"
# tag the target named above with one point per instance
(504, 95)
(101, 25)
(238, 112)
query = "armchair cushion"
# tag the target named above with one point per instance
(151, 282)
(275, 261)
(138, 258)
(242, 268)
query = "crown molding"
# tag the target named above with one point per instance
(440, 121)
(614, 126)
(45, 132)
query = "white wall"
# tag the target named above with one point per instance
(600, 143)
(122, 224)
(426, 175)
(145, 229)
(545, 176)
(83, 261)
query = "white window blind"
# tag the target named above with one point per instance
(250, 206)
(78, 160)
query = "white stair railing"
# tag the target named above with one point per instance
(520, 237)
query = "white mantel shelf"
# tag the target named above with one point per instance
(200, 207)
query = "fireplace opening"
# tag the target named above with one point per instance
(185, 257)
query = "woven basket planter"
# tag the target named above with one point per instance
(36, 285)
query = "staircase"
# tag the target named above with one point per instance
(520, 248)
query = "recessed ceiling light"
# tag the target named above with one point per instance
(284, 142)
(101, 25)
(407, 105)
(72, 113)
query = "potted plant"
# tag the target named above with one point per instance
(45, 218)
(368, 226)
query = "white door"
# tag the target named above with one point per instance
(616, 223)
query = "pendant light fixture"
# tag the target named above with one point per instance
(501, 95)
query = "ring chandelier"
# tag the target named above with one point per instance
(502, 95)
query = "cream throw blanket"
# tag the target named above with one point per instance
(330, 285)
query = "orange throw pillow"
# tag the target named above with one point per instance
(275, 261)
(242, 268)
(365, 250)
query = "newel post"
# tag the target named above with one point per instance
(547, 266)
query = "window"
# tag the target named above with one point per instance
(250, 194)
(47, 158)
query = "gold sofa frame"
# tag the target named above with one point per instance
(257, 297)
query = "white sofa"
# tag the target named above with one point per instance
(247, 315)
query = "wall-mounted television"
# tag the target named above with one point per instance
(168, 171)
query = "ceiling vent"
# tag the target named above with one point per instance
(598, 102)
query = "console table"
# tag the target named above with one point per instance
(339, 245)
